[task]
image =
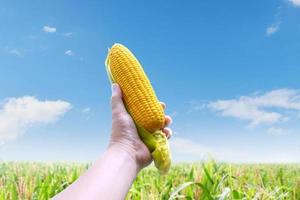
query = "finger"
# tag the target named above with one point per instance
(167, 132)
(168, 120)
(117, 104)
(163, 105)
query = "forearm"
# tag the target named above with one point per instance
(110, 177)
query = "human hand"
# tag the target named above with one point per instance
(124, 133)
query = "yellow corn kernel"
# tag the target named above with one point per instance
(141, 102)
(138, 93)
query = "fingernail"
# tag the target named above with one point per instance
(113, 87)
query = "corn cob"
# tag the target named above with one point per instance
(141, 102)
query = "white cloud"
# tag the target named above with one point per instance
(295, 2)
(68, 34)
(86, 113)
(16, 52)
(272, 29)
(69, 53)
(186, 150)
(276, 131)
(196, 106)
(18, 114)
(48, 29)
(184, 145)
(256, 108)
(86, 110)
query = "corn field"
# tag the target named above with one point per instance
(207, 181)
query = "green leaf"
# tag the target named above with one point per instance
(174, 194)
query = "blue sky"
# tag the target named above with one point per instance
(228, 71)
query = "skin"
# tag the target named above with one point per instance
(112, 175)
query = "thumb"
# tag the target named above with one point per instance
(117, 104)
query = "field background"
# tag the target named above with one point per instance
(209, 180)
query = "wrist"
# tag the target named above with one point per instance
(127, 153)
